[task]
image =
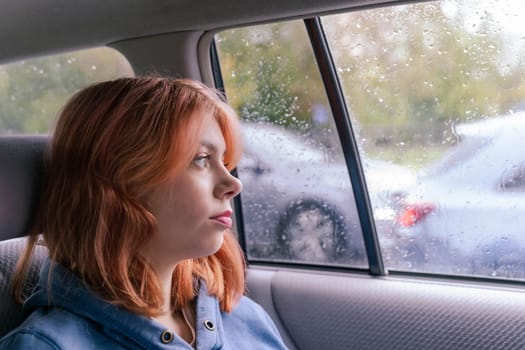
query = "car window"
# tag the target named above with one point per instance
(433, 93)
(297, 201)
(32, 91)
(465, 148)
(436, 87)
(513, 179)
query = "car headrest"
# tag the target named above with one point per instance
(21, 170)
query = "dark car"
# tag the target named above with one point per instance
(298, 203)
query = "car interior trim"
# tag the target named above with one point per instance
(96, 24)
(166, 54)
(435, 314)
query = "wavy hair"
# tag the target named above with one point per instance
(113, 143)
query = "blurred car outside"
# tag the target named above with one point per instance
(466, 213)
(297, 199)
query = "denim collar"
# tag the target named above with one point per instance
(65, 290)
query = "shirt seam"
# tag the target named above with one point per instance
(40, 336)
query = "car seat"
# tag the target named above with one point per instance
(21, 169)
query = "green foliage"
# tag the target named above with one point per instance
(409, 73)
(269, 73)
(420, 67)
(33, 91)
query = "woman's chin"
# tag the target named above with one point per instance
(218, 244)
(211, 247)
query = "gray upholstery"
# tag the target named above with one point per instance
(356, 311)
(21, 160)
(11, 313)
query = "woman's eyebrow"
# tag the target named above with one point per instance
(210, 146)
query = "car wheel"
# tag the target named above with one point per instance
(312, 231)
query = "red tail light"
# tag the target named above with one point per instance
(411, 214)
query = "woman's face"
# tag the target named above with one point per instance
(193, 209)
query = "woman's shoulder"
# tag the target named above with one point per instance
(248, 322)
(252, 314)
(249, 308)
(55, 328)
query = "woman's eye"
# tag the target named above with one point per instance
(202, 160)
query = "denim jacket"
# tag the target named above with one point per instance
(67, 315)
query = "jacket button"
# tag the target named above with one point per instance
(209, 325)
(166, 336)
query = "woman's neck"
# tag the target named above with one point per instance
(181, 322)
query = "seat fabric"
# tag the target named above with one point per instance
(21, 169)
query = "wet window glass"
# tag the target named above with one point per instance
(514, 178)
(33, 91)
(297, 200)
(437, 90)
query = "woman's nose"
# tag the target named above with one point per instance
(228, 187)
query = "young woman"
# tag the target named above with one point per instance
(135, 211)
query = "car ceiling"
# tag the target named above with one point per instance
(35, 27)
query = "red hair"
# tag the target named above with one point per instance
(113, 143)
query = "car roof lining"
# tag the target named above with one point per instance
(58, 25)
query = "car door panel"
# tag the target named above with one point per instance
(355, 311)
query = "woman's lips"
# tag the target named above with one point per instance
(224, 219)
